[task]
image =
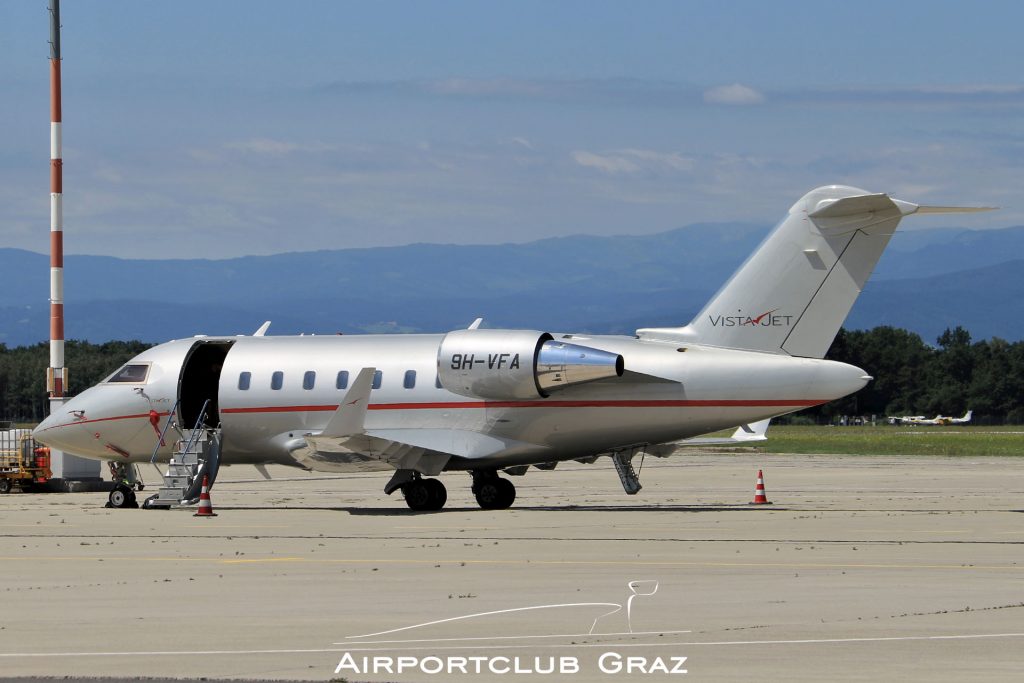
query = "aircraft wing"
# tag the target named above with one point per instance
(425, 450)
(744, 435)
(346, 445)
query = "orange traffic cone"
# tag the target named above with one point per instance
(760, 497)
(205, 506)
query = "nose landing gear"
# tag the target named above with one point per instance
(127, 479)
(122, 497)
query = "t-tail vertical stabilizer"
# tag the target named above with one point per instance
(794, 292)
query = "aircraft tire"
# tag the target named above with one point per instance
(438, 493)
(418, 495)
(121, 497)
(495, 493)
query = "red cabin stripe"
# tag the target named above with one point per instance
(457, 405)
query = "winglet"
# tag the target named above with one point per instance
(350, 416)
(755, 431)
(475, 324)
(263, 329)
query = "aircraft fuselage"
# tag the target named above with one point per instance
(268, 393)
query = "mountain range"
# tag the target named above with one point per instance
(926, 281)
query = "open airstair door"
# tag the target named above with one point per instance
(198, 384)
(198, 453)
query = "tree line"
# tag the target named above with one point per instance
(23, 373)
(911, 376)
(914, 378)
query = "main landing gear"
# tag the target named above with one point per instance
(491, 491)
(428, 495)
(425, 495)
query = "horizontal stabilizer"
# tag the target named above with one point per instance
(851, 206)
(955, 209)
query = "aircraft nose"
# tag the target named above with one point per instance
(39, 433)
(61, 431)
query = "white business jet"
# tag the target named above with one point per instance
(491, 401)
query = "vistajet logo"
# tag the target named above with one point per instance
(767, 319)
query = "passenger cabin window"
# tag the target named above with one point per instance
(308, 380)
(132, 373)
(377, 377)
(244, 380)
(342, 381)
(410, 379)
(277, 380)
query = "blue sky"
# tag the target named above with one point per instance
(217, 129)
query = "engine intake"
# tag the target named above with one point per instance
(507, 365)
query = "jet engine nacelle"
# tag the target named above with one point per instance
(506, 365)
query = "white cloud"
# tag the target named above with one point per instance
(733, 94)
(523, 142)
(606, 163)
(672, 160)
(270, 146)
(632, 160)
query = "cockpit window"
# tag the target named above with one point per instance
(133, 373)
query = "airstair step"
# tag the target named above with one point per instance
(627, 475)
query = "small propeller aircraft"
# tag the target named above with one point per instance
(940, 420)
(492, 401)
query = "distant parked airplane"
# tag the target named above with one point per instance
(937, 420)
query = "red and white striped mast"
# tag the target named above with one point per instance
(56, 374)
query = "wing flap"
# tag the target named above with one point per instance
(424, 450)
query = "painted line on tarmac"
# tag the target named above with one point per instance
(264, 560)
(908, 531)
(805, 641)
(698, 643)
(602, 563)
(513, 539)
(456, 527)
(529, 637)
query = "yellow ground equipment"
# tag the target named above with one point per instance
(23, 462)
